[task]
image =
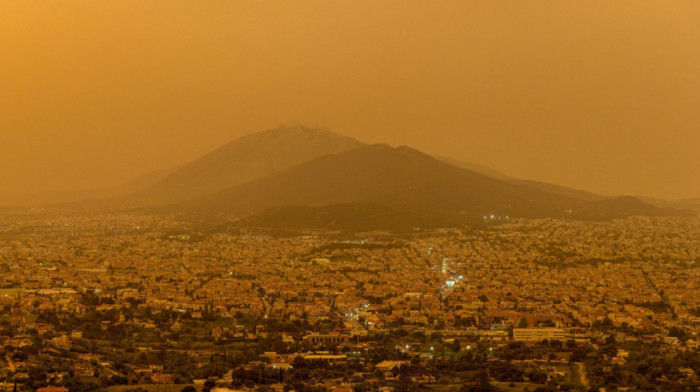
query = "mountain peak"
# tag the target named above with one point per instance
(248, 158)
(297, 129)
(378, 183)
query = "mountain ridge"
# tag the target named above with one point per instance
(295, 175)
(398, 178)
(245, 159)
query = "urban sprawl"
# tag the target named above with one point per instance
(132, 302)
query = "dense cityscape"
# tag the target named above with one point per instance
(132, 302)
(349, 196)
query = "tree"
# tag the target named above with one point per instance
(482, 384)
(208, 385)
(579, 355)
(523, 323)
(537, 376)
(676, 332)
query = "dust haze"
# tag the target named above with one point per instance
(598, 96)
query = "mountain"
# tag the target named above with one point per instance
(560, 190)
(294, 176)
(381, 182)
(247, 158)
(382, 175)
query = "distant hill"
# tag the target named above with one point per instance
(558, 189)
(379, 174)
(247, 158)
(244, 159)
(299, 177)
(689, 204)
(384, 183)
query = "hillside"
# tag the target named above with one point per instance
(475, 167)
(245, 159)
(560, 190)
(544, 186)
(395, 177)
(380, 187)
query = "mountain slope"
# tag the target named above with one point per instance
(475, 167)
(688, 204)
(380, 187)
(245, 159)
(560, 190)
(544, 186)
(397, 177)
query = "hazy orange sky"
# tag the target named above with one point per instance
(599, 95)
